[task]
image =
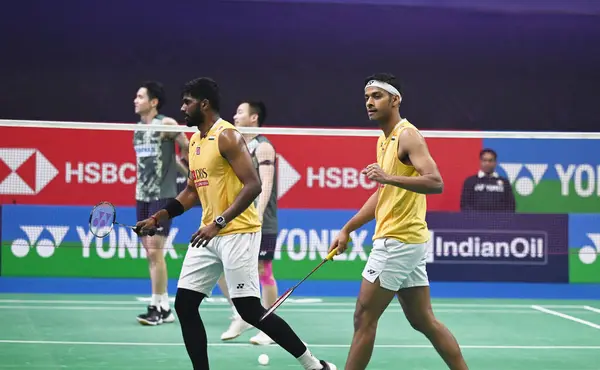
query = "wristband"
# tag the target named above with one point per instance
(174, 208)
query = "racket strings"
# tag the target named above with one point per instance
(102, 219)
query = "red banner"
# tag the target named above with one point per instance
(325, 172)
(70, 167)
(83, 167)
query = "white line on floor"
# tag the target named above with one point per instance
(593, 309)
(10, 341)
(299, 302)
(565, 316)
(282, 308)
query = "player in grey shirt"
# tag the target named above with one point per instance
(157, 167)
(253, 114)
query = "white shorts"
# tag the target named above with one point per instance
(397, 265)
(236, 255)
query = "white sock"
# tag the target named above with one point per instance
(164, 302)
(309, 361)
(155, 300)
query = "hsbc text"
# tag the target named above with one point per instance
(336, 177)
(94, 172)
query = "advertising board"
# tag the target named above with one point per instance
(56, 241)
(584, 247)
(551, 175)
(315, 172)
(498, 247)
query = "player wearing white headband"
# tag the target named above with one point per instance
(406, 172)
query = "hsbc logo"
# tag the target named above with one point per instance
(24, 171)
(321, 177)
(287, 176)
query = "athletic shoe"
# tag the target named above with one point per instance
(153, 317)
(167, 316)
(237, 327)
(328, 365)
(261, 339)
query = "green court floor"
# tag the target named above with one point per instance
(51, 332)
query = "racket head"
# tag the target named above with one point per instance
(277, 303)
(102, 219)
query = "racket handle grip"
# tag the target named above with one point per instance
(331, 254)
(150, 232)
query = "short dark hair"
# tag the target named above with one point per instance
(204, 88)
(490, 151)
(155, 90)
(385, 77)
(257, 107)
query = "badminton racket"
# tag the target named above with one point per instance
(289, 292)
(104, 216)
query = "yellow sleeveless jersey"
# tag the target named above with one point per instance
(400, 213)
(216, 182)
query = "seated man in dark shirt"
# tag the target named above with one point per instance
(487, 191)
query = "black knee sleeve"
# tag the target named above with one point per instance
(187, 302)
(192, 327)
(274, 326)
(249, 308)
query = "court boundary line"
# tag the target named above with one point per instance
(593, 309)
(565, 316)
(295, 309)
(304, 304)
(321, 345)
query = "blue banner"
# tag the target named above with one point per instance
(56, 241)
(584, 248)
(498, 247)
(463, 247)
(550, 175)
(69, 224)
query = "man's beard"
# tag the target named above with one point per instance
(195, 119)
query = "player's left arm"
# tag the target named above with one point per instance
(429, 180)
(182, 142)
(265, 154)
(233, 148)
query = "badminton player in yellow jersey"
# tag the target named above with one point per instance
(223, 178)
(396, 266)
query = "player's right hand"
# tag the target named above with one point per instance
(145, 227)
(340, 242)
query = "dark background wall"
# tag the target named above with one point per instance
(461, 68)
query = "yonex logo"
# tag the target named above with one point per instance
(588, 253)
(44, 247)
(24, 171)
(240, 286)
(525, 183)
(371, 271)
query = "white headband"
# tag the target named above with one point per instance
(383, 85)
